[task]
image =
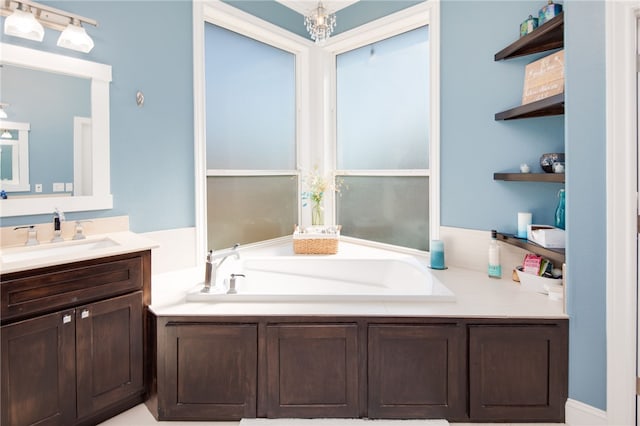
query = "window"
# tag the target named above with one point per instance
(252, 186)
(382, 140)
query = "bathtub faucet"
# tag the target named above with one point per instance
(211, 268)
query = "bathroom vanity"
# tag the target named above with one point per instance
(73, 335)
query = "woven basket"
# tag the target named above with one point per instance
(315, 245)
(315, 242)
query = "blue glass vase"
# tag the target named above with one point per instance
(559, 216)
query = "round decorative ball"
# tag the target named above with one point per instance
(548, 160)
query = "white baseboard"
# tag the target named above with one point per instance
(580, 414)
(176, 251)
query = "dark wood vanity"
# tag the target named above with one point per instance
(73, 340)
(460, 369)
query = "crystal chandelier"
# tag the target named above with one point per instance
(320, 23)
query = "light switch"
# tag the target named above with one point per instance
(68, 187)
(38, 187)
(58, 187)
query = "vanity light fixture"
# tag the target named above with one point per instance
(75, 37)
(22, 23)
(320, 23)
(6, 135)
(26, 18)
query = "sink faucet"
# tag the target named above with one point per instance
(58, 217)
(32, 234)
(211, 268)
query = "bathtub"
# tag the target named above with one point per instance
(326, 279)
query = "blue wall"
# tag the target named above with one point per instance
(586, 200)
(149, 45)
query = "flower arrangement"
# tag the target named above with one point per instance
(316, 185)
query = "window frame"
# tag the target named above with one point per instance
(232, 19)
(315, 98)
(406, 20)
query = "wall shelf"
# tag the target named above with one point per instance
(553, 105)
(557, 256)
(548, 36)
(530, 177)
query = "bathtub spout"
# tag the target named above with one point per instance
(211, 268)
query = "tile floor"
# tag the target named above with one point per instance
(140, 416)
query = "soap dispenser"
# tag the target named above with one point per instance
(495, 269)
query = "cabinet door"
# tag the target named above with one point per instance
(312, 370)
(38, 371)
(109, 352)
(210, 372)
(518, 372)
(417, 371)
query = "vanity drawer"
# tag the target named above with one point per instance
(48, 289)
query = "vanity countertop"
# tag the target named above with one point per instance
(477, 296)
(15, 259)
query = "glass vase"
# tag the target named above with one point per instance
(317, 214)
(559, 216)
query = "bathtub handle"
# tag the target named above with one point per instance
(232, 283)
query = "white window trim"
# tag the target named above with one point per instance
(233, 19)
(314, 96)
(427, 13)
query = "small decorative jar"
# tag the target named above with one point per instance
(528, 25)
(548, 12)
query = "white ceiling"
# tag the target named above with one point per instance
(305, 6)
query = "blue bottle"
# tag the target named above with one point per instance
(559, 216)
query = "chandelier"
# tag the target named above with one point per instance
(320, 23)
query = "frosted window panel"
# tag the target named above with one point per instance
(248, 209)
(392, 210)
(250, 103)
(382, 103)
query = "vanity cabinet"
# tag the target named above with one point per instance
(417, 371)
(85, 362)
(228, 367)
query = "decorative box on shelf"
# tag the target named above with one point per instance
(316, 240)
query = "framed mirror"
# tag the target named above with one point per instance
(87, 139)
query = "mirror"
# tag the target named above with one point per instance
(87, 167)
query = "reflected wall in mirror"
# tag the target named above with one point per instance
(65, 101)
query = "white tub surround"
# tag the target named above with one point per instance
(476, 295)
(23, 258)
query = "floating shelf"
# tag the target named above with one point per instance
(553, 105)
(530, 177)
(557, 256)
(548, 36)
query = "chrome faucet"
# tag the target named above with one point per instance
(211, 268)
(32, 234)
(58, 217)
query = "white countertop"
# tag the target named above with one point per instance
(73, 251)
(477, 295)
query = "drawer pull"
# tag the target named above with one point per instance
(66, 319)
(84, 314)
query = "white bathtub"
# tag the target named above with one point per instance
(326, 279)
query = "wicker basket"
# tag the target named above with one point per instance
(314, 243)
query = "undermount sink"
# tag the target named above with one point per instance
(54, 249)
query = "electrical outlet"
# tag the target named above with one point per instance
(38, 187)
(68, 187)
(58, 187)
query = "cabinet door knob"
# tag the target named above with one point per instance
(66, 319)
(84, 314)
